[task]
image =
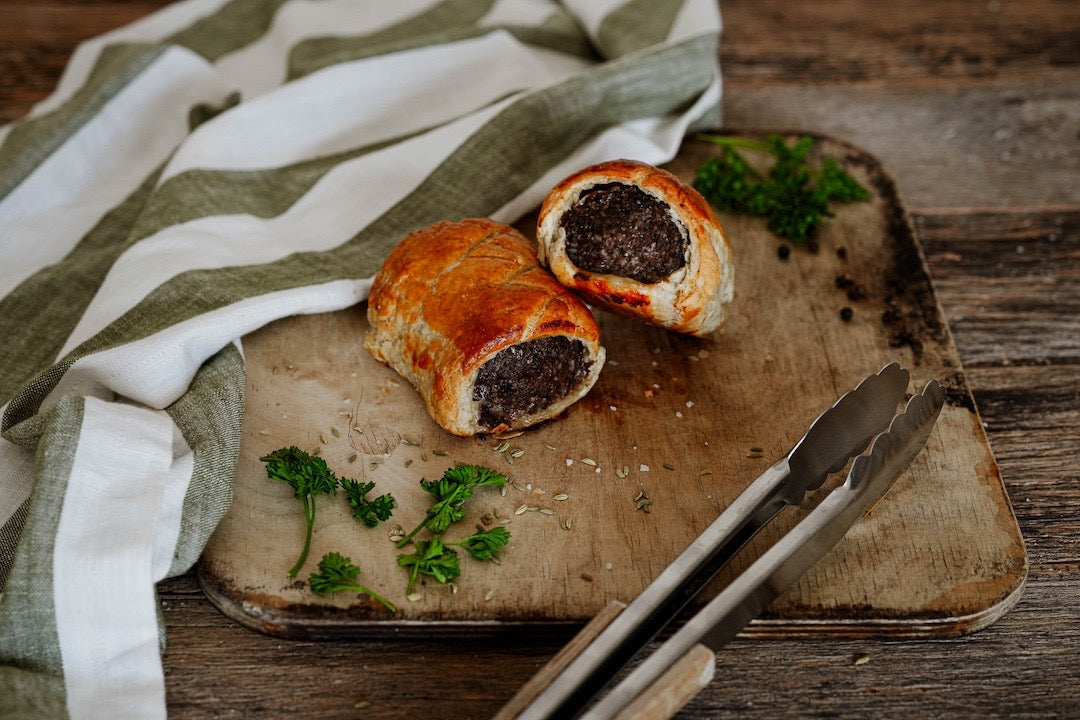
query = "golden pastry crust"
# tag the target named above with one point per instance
(452, 296)
(689, 299)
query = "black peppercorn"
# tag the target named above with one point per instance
(783, 251)
(846, 314)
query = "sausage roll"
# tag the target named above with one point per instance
(636, 239)
(490, 340)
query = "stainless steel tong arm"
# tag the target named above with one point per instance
(839, 433)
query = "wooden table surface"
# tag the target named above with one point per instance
(974, 108)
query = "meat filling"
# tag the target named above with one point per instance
(528, 377)
(619, 229)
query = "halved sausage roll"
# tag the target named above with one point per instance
(490, 340)
(635, 239)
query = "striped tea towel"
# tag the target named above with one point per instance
(216, 166)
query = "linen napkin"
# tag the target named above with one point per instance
(216, 166)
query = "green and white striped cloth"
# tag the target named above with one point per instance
(216, 166)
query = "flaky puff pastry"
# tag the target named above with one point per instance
(452, 297)
(690, 298)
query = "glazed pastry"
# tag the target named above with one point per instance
(490, 340)
(635, 239)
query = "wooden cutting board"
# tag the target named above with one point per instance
(685, 422)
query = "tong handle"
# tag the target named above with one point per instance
(661, 700)
(547, 674)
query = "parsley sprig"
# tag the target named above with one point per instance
(369, 512)
(337, 573)
(431, 558)
(485, 544)
(793, 195)
(309, 477)
(451, 491)
(435, 557)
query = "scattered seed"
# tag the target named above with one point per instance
(567, 523)
(502, 491)
(862, 659)
(547, 511)
(550, 447)
(414, 597)
(352, 458)
(620, 473)
(503, 446)
(532, 508)
(423, 456)
(396, 532)
(317, 451)
(588, 461)
(322, 438)
(560, 497)
(490, 594)
(335, 432)
(408, 462)
(521, 510)
(586, 577)
(264, 432)
(669, 466)
(755, 452)
(643, 504)
(439, 453)
(516, 453)
(504, 521)
(706, 472)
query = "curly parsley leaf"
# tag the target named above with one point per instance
(450, 492)
(309, 477)
(794, 196)
(485, 544)
(432, 558)
(369, 512)
(337, 573)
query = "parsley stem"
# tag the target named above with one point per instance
(735, 142)
(374, 595)
(423, 523)
(309, 519)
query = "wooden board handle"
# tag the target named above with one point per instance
(661, 700)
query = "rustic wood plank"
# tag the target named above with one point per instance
(771, 42)
(1012, 281)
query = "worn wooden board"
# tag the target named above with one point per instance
(693, 421)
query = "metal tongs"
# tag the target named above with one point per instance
(665, 680)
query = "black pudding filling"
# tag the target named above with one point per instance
(619, 229)
(528, 377)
